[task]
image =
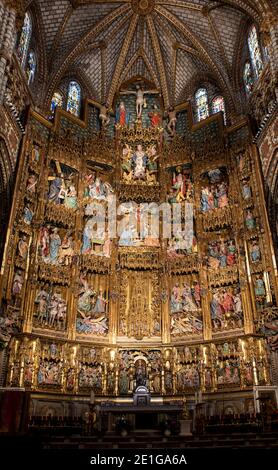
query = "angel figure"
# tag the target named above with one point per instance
(140, 100)
(126, 165)
(152, 158)
(104, 115)
(127, 177)
(151, 178)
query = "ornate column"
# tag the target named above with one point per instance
(165, 306)
(270, 261)
(113, 277)
(10, 12)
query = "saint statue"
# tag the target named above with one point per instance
(66, 250)
(139, 162)
(255, 252)
(100, 305)
(122, 117)
(31, 183)
(179, 185)
(259, 287)
(246, 190)
(155, 117)
(18, 282)
(42, 300)
(55, 188)
(27, 215)
(140, 373)
(86, 299)
(171, 126)
(44, 239)
(23, 247)
(250, 221)
(54, 245)
(71, 197)
(35, 154)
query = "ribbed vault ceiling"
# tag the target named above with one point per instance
(169, 42)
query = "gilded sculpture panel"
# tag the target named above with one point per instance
(109, 309)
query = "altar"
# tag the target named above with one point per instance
(147, 417)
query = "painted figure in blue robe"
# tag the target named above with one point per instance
(100, 305)
(54, 189)
(127, 237)
(204, 200)
(40, 376)
(255, 252)
(176, 306)
(223, 255)
(87, 237)
(215, 308)
(259, 287)
(54, 246)
(86, 300)
(246, 191)
(27, 215)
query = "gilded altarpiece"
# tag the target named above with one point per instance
(92, 309)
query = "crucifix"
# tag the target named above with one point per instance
(140, 100)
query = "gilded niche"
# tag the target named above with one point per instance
(139, 305)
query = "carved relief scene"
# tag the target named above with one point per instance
(90, 370)
(185, 307)
(226, 308)
(215, 190)
(181, 187)
(139, 225)
(97, 194)
(62, 185)
(50, 308)
(188, 373)
(92, 305)
(139, 164)
(56, 245)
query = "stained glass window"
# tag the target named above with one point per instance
(248, 78)
(24, 39)
(56, 101)
(255, 53)
(201, 98)
(218, 104)
(31, 67)
(74, 98)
